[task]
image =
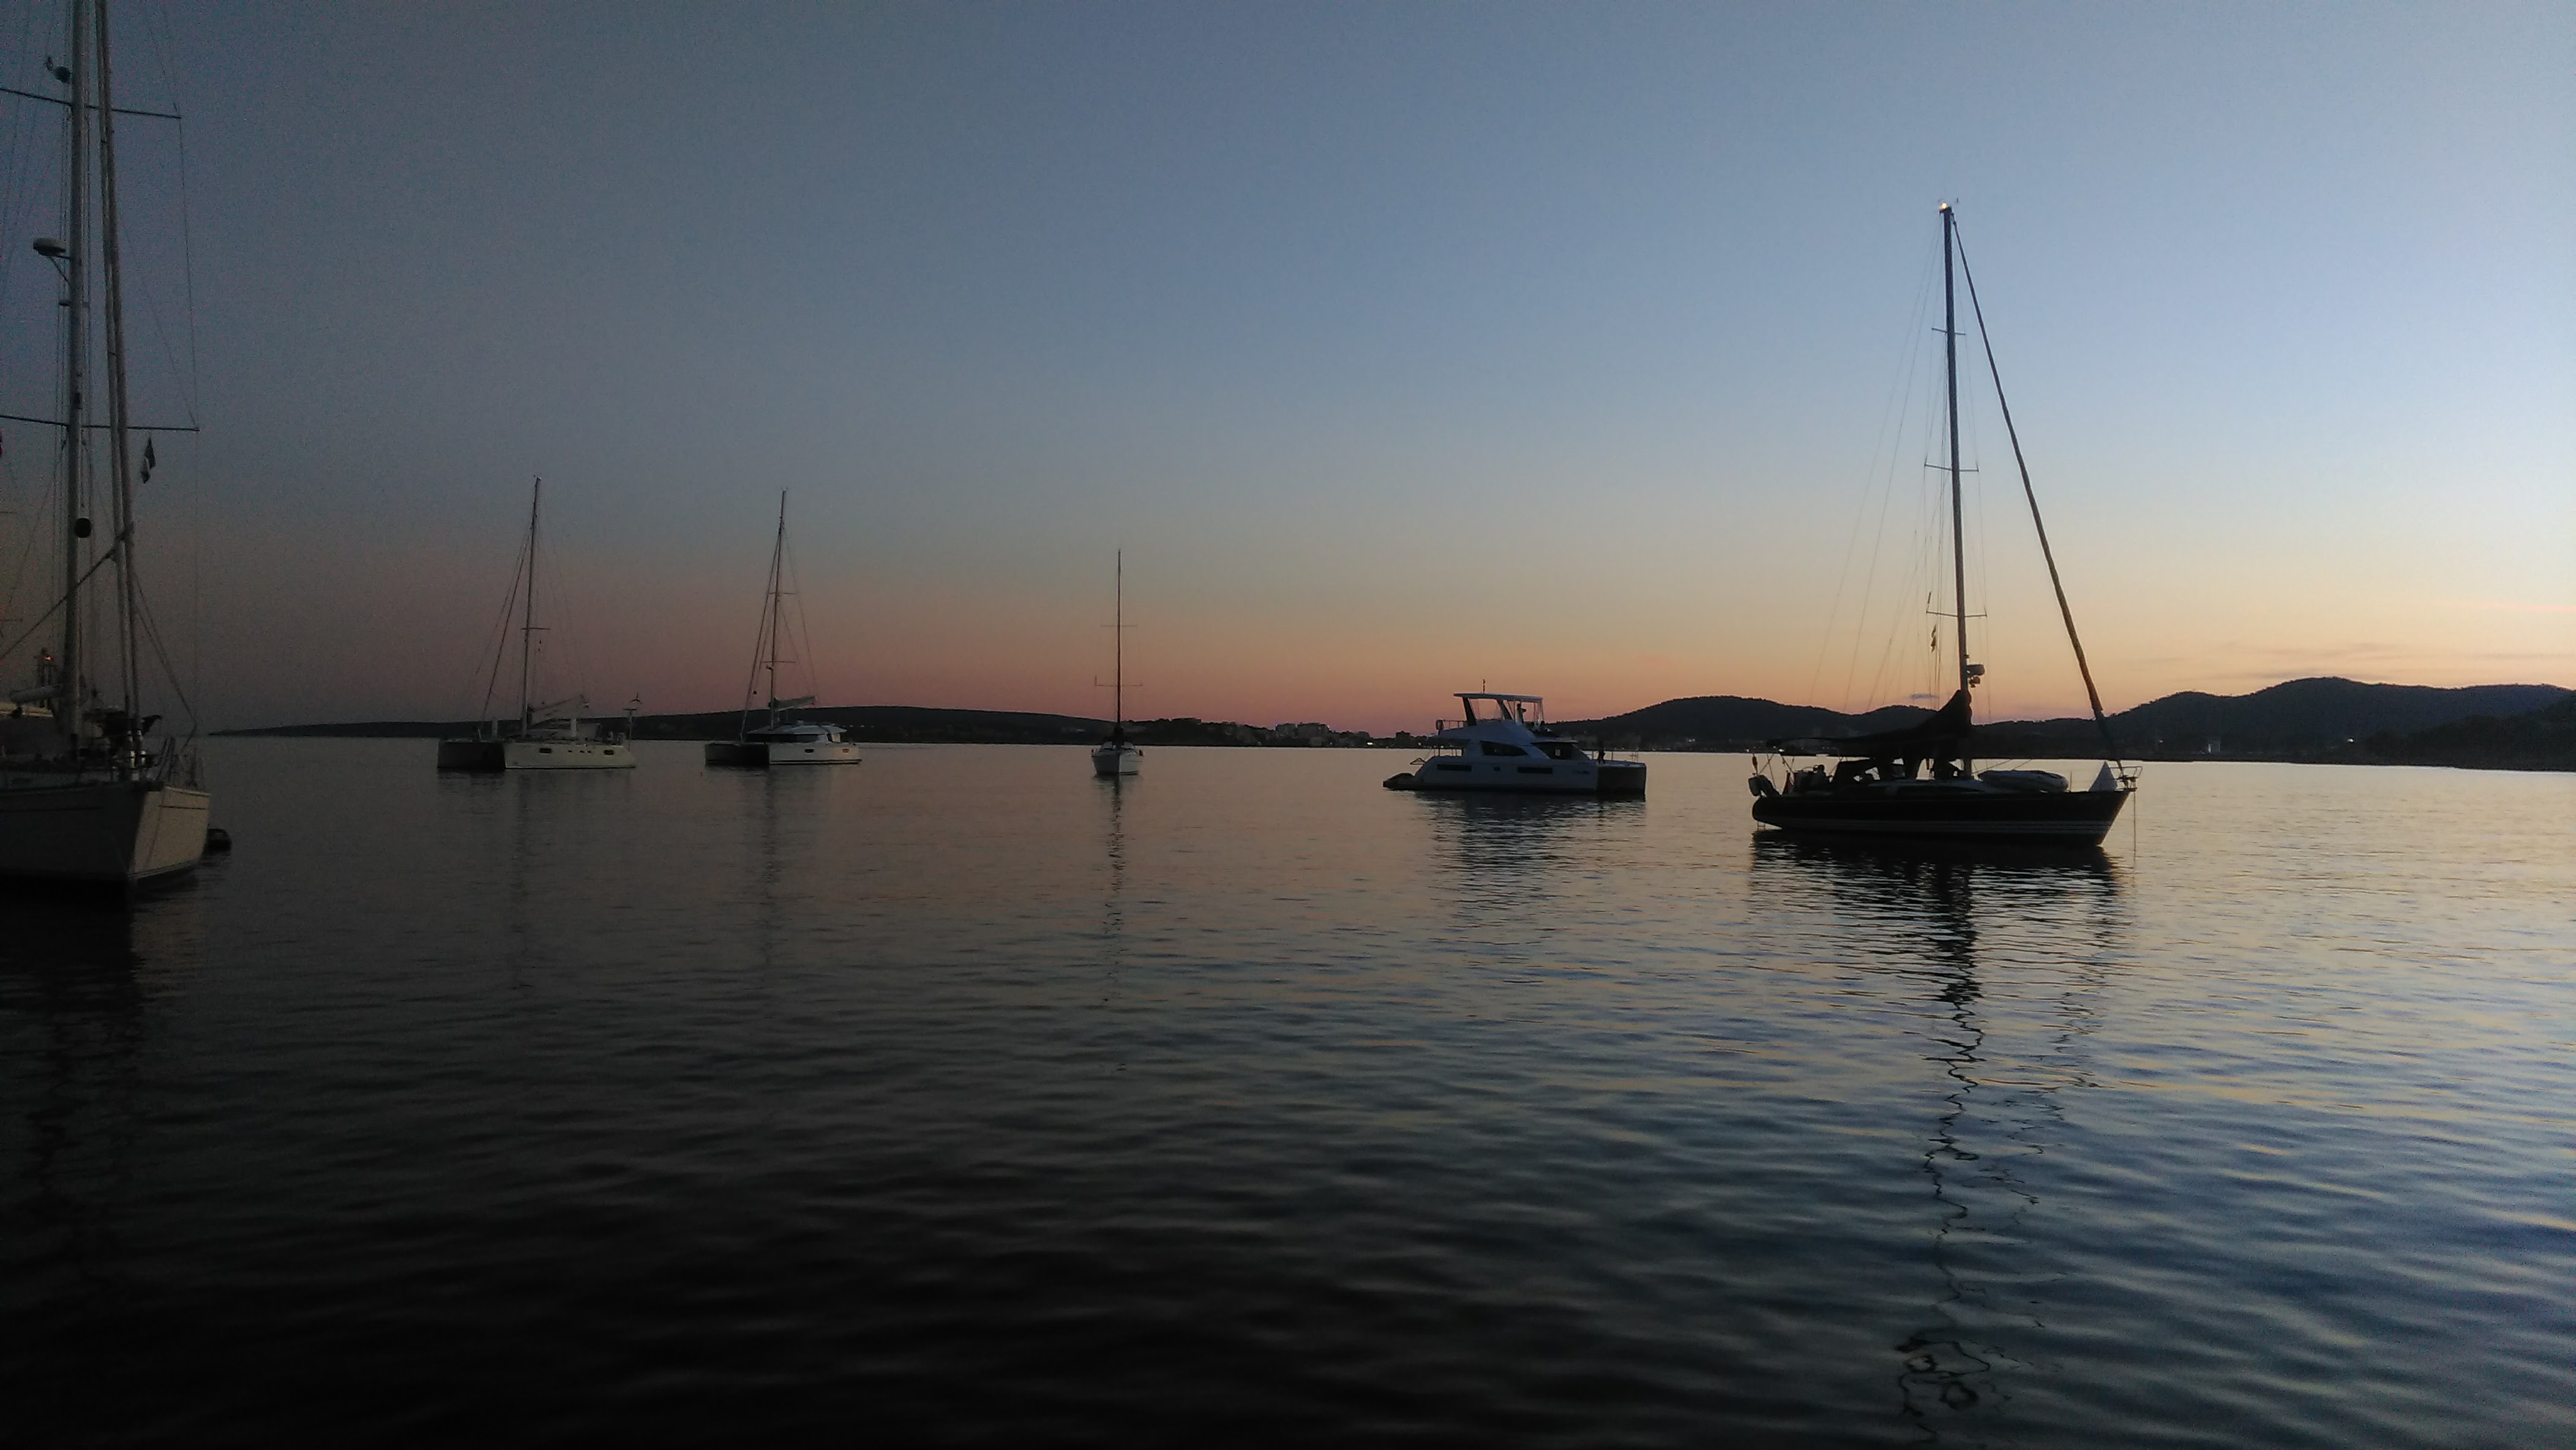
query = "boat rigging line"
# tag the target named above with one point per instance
(2064, 610)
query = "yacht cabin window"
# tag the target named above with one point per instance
(1490, 747)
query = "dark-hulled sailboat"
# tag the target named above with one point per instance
(1921, 782)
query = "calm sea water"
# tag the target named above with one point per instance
(961, 1098)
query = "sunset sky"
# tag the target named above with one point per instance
(1579, 350)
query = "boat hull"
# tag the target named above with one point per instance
(1111, 761)
(814, 752)
(2069, 818)
(760, 755)
(489, 755)
(121, 833)
(1513, 777)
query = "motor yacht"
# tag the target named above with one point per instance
(1506, 744)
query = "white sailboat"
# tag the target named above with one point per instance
(1114, 757)
(781, 741)
(545, 736)
(86, 794)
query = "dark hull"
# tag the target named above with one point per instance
(469, 755)
(2063, 818)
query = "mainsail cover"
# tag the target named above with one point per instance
(1943, 734)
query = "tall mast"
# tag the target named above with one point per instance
(528, 609)
(1958, 545)
(129, 664)
(777, 584)
(1118, 653)
(68, 699)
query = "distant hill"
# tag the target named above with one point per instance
(2543, 739)
(2301, 719)
(2322, 719)
(1729, 721)
(2317, 714)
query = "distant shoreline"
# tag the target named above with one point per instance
(2319, 721)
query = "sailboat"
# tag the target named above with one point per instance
(781, 741)
(86, 794)
(1114, 757)
(1921, 782)
(550, 736)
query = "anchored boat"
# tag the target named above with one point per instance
(88, 794)
(1114, 757)
(545, 736)
(781, 741)
(1922, 781)
(1509, 746)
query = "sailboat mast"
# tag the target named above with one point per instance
(528, 609)
(777, 583)
(120, 447)
(1950, 338)
(68, 695)
(1118, 651)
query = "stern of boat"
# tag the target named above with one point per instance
(1619, 777)
(469, 755)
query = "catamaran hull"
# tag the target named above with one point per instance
(2071, 818)
(757, 755)
(1111, 761)
(826, 752)
(490, 755)
(1591, 777)
(102, 832)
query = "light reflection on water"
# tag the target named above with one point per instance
(964, 1090)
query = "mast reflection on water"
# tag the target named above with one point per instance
(2008, 950)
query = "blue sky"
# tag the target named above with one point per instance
(1401, 347)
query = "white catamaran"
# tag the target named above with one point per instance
(781, 741)
(87, 795)
(544, 736)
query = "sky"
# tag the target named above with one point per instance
(1584, 351)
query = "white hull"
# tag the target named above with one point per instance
(566, 755)
(757, 755)
(535, 755)
(1110, 761)
(1526, 777)
(828, 752)
(102, 832)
